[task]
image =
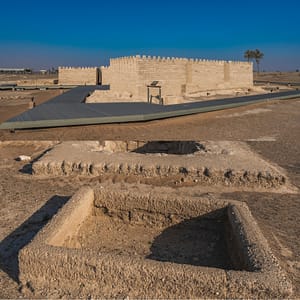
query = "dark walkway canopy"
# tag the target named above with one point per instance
(69, 109)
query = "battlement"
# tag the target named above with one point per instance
(177, 75)
(78, 75)
(139, 58)
(77, 68)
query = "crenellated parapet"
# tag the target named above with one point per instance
(145, 58)
(77, 68)
(78, 75)
(176, 75)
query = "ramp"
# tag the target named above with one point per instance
(69, 109)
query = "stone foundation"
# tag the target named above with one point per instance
(57, 257)
(207, 163)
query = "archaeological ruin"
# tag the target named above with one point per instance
(161, 80)
(122, 243)
(207, 163)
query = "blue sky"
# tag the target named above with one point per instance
(40, 34)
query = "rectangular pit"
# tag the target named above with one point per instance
(208, 163)
(197, 241)
(122, 243)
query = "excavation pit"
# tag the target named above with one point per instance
(106, 243)
(150, 235)
(225, 163)
(158, 147)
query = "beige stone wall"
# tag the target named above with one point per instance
(217, 75)
(176, 76)
(241, 74)
(78, 76)
(169, 72)
(122, 75)
(205, 75)
(105, 75)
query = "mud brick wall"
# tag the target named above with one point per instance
(78, 76)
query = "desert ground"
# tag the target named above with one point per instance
(288, 77)
(27, 79)
(29, 201)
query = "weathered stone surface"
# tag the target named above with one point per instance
(46, 262)
(207, 163)
(78, 76)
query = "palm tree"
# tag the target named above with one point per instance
(257, 55)
(249, 54)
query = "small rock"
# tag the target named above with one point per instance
(23, 158)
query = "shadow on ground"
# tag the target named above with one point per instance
(199, 241)
(27, 168)
(170, 147)
(20, 237)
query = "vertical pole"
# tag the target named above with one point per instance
(160, 100)
(148, 94)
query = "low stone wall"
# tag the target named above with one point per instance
(33, 82)
(47, 263)
(230, 164)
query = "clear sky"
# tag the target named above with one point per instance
(42, 34)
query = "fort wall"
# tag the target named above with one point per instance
(78, 76)
(241, 74)
(123, 75)
(176, 76)
(169, 72)
(205, 75)
(129, 77)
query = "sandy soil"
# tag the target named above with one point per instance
(271, 129)
(199, 241)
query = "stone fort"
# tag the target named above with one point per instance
(133, 77)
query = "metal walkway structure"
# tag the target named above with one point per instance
(15, 87)
(69, 109)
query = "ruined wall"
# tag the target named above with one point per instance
(176, 76)
(78, 76)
